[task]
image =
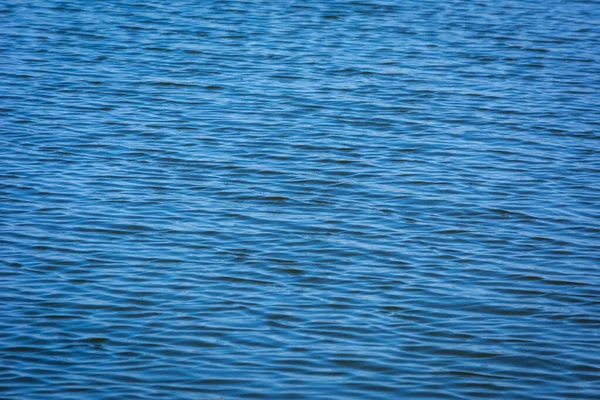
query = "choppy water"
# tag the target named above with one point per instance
(300, 199)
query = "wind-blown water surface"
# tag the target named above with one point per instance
(300, 199)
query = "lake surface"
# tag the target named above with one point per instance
(300, 199)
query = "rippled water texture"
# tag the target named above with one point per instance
(300, 199)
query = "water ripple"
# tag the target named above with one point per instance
(319, 199)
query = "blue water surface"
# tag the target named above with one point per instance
(288, 199)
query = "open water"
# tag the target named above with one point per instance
(290, 199)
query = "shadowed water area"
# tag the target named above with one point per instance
(300, 199)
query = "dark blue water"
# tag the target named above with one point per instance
(300, 199)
